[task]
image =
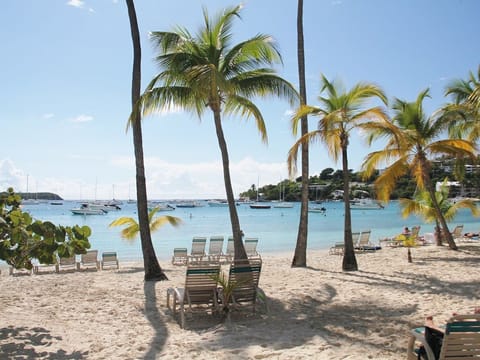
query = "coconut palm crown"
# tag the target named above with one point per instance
(340, 113)
(413, 141)
(206, 71)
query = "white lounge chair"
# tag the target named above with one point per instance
(89, 260)
(198, 249)
(215, 248)
(66, 264)
(109, 259)
(251, 247)
(180, 256)
(199, 293)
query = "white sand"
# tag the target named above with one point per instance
(315, 313)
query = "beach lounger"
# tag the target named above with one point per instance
(40, 268)
(364, 244)
(199, 293)
(457, 233)
(338, 248)
(198, 249)
(109, 259)
(461, 340)
(89, 260)
(246, 275)
(16, 272)
(66, 264)
(230, 251)
(251, 247)
(215, 248)
(180, 256)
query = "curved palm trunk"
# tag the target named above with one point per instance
(236, 231)
(349, 259)
(436, 206)
(153, 271)
(300, 256)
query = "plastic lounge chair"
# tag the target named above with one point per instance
(364, 243)
(200, 290)
(89, 260)
(461, 339)
(251, 247)
(16, 272)
(180, 256)
(215, 248)
(230, 251)
(457, 233)
(246, 275)
(40, 268)
(198, 248)
(109, 259)
(66, 264)
(338, 248)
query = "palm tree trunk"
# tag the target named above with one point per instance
(236, 231)
(153, 271)
(300, 256)
(349, 259)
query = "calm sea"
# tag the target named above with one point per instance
(276, 228)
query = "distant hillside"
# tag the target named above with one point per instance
(40, 196)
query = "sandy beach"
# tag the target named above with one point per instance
(314, 313)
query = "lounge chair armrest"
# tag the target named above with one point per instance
(418, 335)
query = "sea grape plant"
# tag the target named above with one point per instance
(23, 239)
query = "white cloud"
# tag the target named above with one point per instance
(81, 118)
(76, 3)
(10, 176)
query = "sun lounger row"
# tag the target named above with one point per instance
(215, 253)
(89, 260)
(207, 290)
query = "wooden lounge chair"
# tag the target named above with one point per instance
(180, 256)
(109, 259)
(199, 293)
(461, 339)
(251, 247)
(246, 275)
(89, 260)
(215, 248)
(66, 264)
(198, 249)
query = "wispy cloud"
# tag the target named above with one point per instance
(76, 3)
(48, 116)
(81, 118)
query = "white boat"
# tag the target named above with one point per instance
(160, 207)
(283, 205)
(217, 203)
(188, 204)
(317, 209)
(365, 204)
(87, 209)
(30, 202)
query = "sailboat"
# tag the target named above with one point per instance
(281, 201)
(258, 204)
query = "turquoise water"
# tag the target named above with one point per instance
(276, 228)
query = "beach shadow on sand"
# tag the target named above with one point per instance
(155, 318)
(21, 343)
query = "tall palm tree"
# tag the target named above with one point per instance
(207, 72)
(422, 205)
(412, 142)
(153, 271)
(464, 112)
(300, 256)
(340, 113)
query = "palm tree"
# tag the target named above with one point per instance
(340, 113)
(153, 271)
(300, 256)
(411, 144)
(207, 72)
(422, 205)
(132, 227)
(464, 112)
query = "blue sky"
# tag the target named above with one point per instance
(66, 77)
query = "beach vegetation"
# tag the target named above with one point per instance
(422, 206)
(413, 141)
(207, 72)
(341, 113)
(132, 228)
(300, 254)
(152, 268)
(23, 239)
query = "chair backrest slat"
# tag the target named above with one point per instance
(198, 246)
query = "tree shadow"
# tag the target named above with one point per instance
(154, 317)
(21, 343)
